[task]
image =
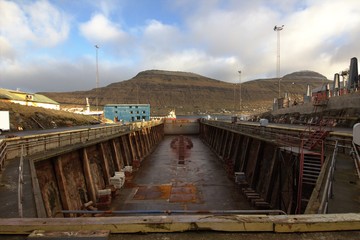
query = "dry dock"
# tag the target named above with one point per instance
(196, 182)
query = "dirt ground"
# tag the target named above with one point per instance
(33, 118)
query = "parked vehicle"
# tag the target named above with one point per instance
(263, 122)
(4, 121)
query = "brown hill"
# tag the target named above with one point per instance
(33, 118)
(190, 93)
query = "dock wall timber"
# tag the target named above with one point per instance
(72, 176)
(267, 175)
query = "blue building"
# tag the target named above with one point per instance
(127, 112)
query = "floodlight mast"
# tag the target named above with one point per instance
(278, 29)
(97, 78)
(240, 89)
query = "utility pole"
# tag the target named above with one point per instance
(97, 78)
(240, 90)
(278, 29)
(234, 97)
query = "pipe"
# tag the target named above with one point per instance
(169, 212)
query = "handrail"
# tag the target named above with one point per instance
(278, 133)
(3, 150)
(328, 189)
(356, 156)
(20, 184)
(172, 212)
(300, 179)
(43, 142)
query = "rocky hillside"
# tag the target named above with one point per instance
(33, 118)
(191, 93)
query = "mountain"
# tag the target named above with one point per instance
(190, 93)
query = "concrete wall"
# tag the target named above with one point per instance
(72, 178)
(181, 126)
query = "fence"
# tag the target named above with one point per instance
(282, 135)
(3, 147)
(43, 142)
(328, 189)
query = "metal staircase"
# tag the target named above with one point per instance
(315, 139)
(312, 168)
(309, 170)
(310, 161)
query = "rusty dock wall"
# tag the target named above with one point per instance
(71, 176)
(266, 175)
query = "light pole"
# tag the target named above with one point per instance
(234, 98)
(97, 78)
(278, 29)
(240, 89)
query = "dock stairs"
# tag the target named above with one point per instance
(312, 168)
(315, 138)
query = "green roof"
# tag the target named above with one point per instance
(14, 95)
(43, 99)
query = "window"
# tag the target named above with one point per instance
(137, 112)
(143, 112)
(138, 118)
(136, 106)
(29, 97)
(131, 112)
(115, 111)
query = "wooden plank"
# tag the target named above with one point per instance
(53, 235)
(90, 185)
(39, 203)
(180, 223)
(105, 161)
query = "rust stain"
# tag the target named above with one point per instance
(178, 193)
(156, 192)
(181, 146)
(183, 193)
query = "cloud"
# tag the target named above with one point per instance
(38, 23)
(32, 25)
(49, 25)
(99, 29)
(215, 38)
(61, 75)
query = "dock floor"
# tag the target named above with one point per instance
(195, 180)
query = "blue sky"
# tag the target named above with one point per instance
(49, 45)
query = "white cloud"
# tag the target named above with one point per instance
(49, 25)
(38, 23)
(100, 29)
(215, 38)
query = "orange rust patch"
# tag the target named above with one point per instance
(153, 192)
(183, 193)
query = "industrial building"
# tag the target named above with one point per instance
(127, 112)
(28, 99)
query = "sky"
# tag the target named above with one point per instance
(49, 45)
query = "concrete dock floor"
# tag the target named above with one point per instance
(193, 180)
(346, 186)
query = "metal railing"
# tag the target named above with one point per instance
(356, 156)
(3, 150)
(177, 212)
(280, 135)
(43, 142)
(328, 189)
(286, 136)
(21, 184)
